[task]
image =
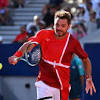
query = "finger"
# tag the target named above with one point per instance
(9, 60)
(12, 62)
(90, 91)
(94, 89)
(86, 89)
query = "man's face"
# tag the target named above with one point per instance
(23, 29)
(61, 26)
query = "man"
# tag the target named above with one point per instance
(35, 26)
(22, 36)
(57, 46)
(76, 78)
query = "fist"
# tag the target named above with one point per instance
(13, 60)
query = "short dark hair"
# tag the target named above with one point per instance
(62, 14)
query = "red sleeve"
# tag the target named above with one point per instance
(39, 37)
(79, 50)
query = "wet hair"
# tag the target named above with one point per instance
(62, 14)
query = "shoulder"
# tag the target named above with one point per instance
(73, 40)
(45, 32)
(42, 34)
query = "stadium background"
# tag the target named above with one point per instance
(17, 82)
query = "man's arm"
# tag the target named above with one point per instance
(88, 68)
(20, 52)
(88, 72)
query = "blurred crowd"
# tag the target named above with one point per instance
(5, 18)
(85, 17)
(5, 6)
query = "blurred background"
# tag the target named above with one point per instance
(21, 19)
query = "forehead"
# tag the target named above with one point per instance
(60, 21)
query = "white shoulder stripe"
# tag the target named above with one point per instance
(64, 48)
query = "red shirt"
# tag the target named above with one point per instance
(21, 37)
(3, 3)
(52, 49)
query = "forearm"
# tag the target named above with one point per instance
(23, 47)
(26, 47)
(20, 52)
(87, 67)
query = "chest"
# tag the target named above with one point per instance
(53, 48)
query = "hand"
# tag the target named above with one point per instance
(13, 60)
(90, 86)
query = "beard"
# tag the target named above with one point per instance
(60, 33)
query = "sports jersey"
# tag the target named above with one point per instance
(76, 70)
(56, 57)
(21, 37)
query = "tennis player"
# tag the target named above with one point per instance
(57, 46)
